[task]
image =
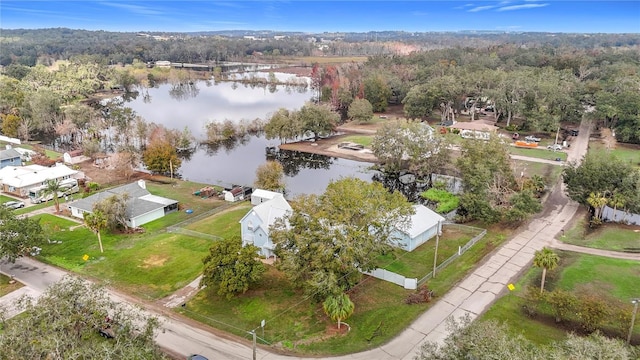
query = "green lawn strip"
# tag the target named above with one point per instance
(419, 262)
(297, 324)
(364, 140)
(615, 277)
(538, 153)
(6, 287)
(224, 224)
(609, 236)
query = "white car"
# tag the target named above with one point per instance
(555, 147)
(532, 138)
(13, 204)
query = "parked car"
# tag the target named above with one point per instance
(197, 357)
(555, 147)
(573, 132)
(13, 204)
(532, 138)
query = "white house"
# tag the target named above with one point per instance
(142, 206)
(18, 180)
(259, 196)
(233, 195)
(424, 225)
(254, 226)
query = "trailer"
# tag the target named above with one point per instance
(67, 187)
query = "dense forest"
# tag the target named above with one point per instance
(44, 46)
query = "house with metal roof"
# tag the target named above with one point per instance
(142, 206)
(18, 180)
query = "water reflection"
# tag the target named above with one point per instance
(405, 183)
(194, 105)
(293, 161)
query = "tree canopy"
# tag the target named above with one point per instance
(328, 238)
(161, 157)
(492, 340)
(64, 323)
(18, 235)
(270, 176)
(231, 268)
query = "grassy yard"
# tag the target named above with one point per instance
(151, 264)
(538, 153)
(609, 236)
(225, 224)
(418, 263)
(626, 152)
(550, 173)
(611, 279)
(364, 140)
(295, 323)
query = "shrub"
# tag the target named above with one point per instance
(562, 302)
(422, 295)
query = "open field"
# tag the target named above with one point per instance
(614, 280)
(625, 152)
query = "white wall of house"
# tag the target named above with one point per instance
(407, 243)
(253, 233)
(145, 218)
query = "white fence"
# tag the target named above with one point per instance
(382, 274)
(620, 216)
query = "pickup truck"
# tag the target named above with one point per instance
(532, 138)
(555, 147)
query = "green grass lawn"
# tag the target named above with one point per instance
(626, 152)
(612, 279)
(538, 153)
(364, 140)
(609, 236)
(550, 173)
(225, 224)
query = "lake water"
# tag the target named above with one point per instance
(236, 162)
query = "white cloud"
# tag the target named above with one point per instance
(481, 8)
(136, 9)
(521, 7)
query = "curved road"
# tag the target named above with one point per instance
(473, 295)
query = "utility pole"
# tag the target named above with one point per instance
(635, 303)
(253, 332)
(435, 255)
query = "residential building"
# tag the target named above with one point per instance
(10, 157)
(254, 226)
(142, 206)
(424, 225)
(18, 180)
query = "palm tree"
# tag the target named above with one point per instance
(597, 201)
(545, 259)
(96, 221)
(338, 307)
(616, 201)
(53, 188)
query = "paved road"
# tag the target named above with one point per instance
(472, 296)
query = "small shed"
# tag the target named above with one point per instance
(235, 194)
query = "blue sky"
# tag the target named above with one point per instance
(329, 15)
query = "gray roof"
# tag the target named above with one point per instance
(140, 200)
(9, 154)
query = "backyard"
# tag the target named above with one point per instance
(608, 236)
